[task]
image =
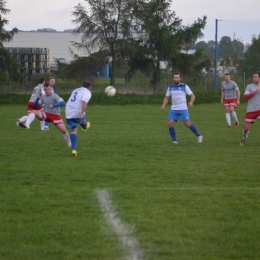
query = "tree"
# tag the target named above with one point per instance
(165, 34)
(8, 66)
(251, 62)
(108, 25)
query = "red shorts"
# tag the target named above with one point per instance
(251, 116)
(53, 118)
(230, 102)
(30, 107)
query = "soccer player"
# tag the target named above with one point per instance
(36, 91)
(75, 112)
(178, 92)
(252, 94)
(230, 95)
(52, 83)
(52, 103)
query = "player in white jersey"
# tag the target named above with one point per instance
(36, 91)
(178, 92)
(75, 112)
(52, 103)
(230, 96)
(252, 94)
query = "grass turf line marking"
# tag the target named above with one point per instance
(123, 231)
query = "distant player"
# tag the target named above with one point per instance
(178, 92)
(230, 96)
(52, 83)
(52, 103)
(75, 112)
(252, 94)
(36, 91)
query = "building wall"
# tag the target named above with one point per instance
(58, 43)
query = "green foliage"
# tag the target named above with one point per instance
(9, 68)
(187, 202)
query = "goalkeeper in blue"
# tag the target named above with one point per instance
(179, 109)
(75, 112)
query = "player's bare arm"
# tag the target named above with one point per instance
(83, 109)
(165, 101)
(192, 98)
(222, 96)
(238, 97)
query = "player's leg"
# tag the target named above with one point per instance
(31, 117)
(44, 124)
(186, 120)
(72, 125)
(172, 118)
(64, 132)
(234, 115)
(249, 120)
(227, 109)
(20, 121)
(84, 124)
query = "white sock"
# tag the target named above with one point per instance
(42, 123)
(228, 118)
(23, 119)
(67, 139)
(234, 115)
(30, 118)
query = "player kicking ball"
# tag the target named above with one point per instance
(52, 103)
(75, 112)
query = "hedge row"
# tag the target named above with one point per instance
(202, 97)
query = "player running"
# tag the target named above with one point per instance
(36, 92)
(230, 95)
(52, 103)
(178, 92)
(75, 112)
(252, 94)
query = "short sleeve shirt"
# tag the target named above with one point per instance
(178, 95)
(230, 89)
(74, 104)
(254, 102)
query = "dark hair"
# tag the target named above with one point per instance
(257, 72)
(46, 85)
(177, 73)
(86, 84)
(41, 80)
(227, 74)
(51, 78)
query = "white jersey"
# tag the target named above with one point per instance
(178, 94)
(74, 104)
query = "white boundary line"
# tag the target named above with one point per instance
(122, 231)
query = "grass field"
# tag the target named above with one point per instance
(186, 201)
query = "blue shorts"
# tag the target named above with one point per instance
(175, 114)
(72, 122)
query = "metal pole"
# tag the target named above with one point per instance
(216, 58)
(244, 80)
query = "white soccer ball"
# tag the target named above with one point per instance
(110, 91)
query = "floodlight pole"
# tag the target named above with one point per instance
(216, 58)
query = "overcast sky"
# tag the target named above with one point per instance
(29, 15)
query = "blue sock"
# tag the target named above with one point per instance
(173, 133)
(73, 139)
(46, 124)
(194, 130)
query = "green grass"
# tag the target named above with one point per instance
(186, 201)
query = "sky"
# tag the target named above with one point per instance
(30, 15)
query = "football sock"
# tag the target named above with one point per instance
(228, 118)
(46, 123)
(23, 119)
(234, 115)
(67, 139)
(73, 138)
(30, 118)
(245, 134)
(42, 123)
(194, 130)
(172, 133)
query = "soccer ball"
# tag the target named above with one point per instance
(110, 91)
